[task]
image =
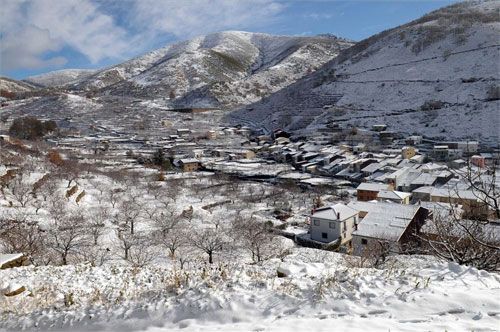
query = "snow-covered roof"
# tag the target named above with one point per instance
(390, 194)
(384, 220)
(372, 186)
(332, 212)
(189, 161)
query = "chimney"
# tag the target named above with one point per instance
(338, 215)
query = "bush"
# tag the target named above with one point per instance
(30, 128)
(55, 158)
(493, 93)
(430, 105)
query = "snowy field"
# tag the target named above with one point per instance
(115, 246)
(321, 292)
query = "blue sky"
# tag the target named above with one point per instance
(38, 36)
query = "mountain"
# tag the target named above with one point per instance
(14, 86)
(59, 77)
(437, 75)
(223, 69)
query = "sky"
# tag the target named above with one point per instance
(38, 36)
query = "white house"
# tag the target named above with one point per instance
(333, 223)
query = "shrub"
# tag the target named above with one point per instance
(55, 158)
(30, 128)
(493, 93)
(430, 105)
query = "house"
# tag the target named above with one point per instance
(189, 164)
(211, 134)
(478, 161)
(369, 191)
(182, 132)
(379, 127)
(394, 196)
(333, 223)
(441, 152)
(413, 140)
(408, 152)
(473, 206)
(393, 224)
(8, 261)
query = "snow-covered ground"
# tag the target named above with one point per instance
(321, 291)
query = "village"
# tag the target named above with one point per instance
(380, 186)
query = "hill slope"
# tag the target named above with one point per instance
(450, 55)
(10, 85)
(59, 77)
(217, 70)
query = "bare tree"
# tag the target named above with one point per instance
(20, 234)
(67, 235)
(21, 190)
(473, 241)
(136, 248)
(96, 223)
(257, 238)
(128, 214)
(209, 240)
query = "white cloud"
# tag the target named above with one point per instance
(25, 49)
(193, 17)
(31, 30)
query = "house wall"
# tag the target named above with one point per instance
(190, 167)
(342, 229)
(366, 195)
(372, 244)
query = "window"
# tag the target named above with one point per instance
(364, 241)
(316, 222)
(355, 219)
(332, 224)
(343, 226)
(324, 235)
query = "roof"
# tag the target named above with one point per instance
(7, 258)
(390, 194)
(372, 186)
(386, 221)
(189, 161)
(331, 212)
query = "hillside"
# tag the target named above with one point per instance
(10, 85)
(437, 75)
(59, 77)
(218, 70)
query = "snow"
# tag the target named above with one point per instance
(321, 290)
(6, 258)
(60, 77)
(389, 81)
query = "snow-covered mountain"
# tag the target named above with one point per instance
(221, 69)
(437, 75)
(10, 85)
(59, 77)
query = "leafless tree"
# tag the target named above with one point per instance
(128, 214)
(209, 240)
(67, 236)
(471, 241)
(96, 222)
(257, 238)
(462, 241)
(136, 247)
(20, 234)
(21, 190)
(114, 195)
